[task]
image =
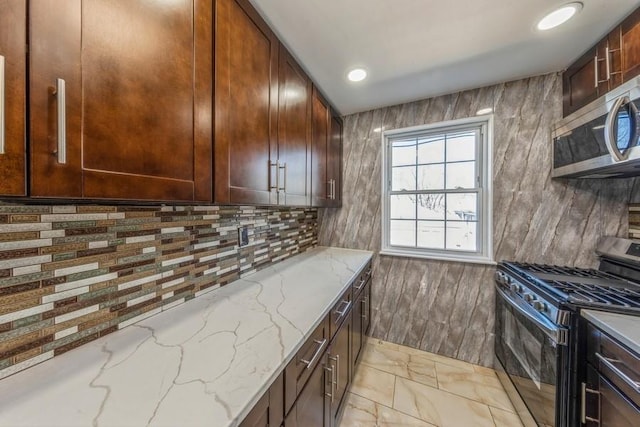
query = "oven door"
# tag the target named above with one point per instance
(533, 353)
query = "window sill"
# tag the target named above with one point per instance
(435, 257)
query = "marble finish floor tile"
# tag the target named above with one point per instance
(361, 412)
(396, 385)
(481, 387)
(415, 367)
(373, 384)
(439, 407)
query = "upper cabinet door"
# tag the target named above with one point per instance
(246, 103)
(13, 21)
(334, 161)
(630, 41)
(120, 95)
(580, 82)
(294, 133)
(320, 184)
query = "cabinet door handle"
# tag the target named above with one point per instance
(271, 186)
(595, 66)
(583, 405)
(61, 95)
(2, 111)
(337, 369)
(607, 62)
(341, 313)
(333, 189)
(364, 308)
(330, 395)
(321, 344)
(610, 363)
(284, 180)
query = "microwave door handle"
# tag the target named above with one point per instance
(609, 133)
(558, 335)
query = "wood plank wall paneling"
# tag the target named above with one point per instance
(71, 274)
(447, 307)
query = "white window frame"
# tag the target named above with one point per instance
(484, 255)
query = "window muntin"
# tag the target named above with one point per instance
(435, 191)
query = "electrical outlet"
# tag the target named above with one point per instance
(243, 236)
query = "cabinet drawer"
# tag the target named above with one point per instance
(300, 368)
(340, 311)
(616, 363)
(362, 279)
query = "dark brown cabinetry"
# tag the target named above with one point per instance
(293, 180)
(339, 360)
(269, 411)
(246, 87)
(361, 313)
(313, 403)
(613, 61)
(326, 154)
(120, 99)
(611, 392)
(13, 20)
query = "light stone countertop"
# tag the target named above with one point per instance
(623, 327)
(203, 363)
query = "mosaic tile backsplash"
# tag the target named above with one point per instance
(71, 274)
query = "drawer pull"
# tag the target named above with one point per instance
(321, 344)
(341, 313)
(362, 282)
(610, 363)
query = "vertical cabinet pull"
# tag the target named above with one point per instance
(2, 110)
(583, 405)
(61, 96)
(595, 67)
(282, 167)
(271, 186)
(331, 370)
(607, 61)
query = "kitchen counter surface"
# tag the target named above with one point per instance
(205, 362)
(625, 328)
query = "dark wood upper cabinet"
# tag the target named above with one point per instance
(320, 192)
(579, 83)
(613, 61)
(630, 42)
(246, 106)
(334, 161)
(121, 99)
(294, 133)
(13, 21)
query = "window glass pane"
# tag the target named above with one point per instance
(462, 207)
(431, 149)
(431, 177)
(462, 236)
(403, 178)
(402, 233)
(431, 206)
(403, 207)
(403, 152)
(461, 146)
(461, 175)
(431, 234)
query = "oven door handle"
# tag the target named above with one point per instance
(559, 335)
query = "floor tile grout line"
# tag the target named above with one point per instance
(394, 409)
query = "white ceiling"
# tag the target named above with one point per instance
(415, 49)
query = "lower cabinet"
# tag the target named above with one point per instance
(269, 411)
(313, 388)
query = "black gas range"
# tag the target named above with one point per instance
(537, 311)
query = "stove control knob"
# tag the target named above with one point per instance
(530, 298)
(500, 277)
(540, 306)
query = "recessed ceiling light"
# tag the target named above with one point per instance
(559, 16)
(357, 75)
(484, 111)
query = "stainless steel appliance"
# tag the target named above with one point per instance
(537, 343)
(602, 139)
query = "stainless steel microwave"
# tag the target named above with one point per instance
(602, 139)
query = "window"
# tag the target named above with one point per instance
(436, 194)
